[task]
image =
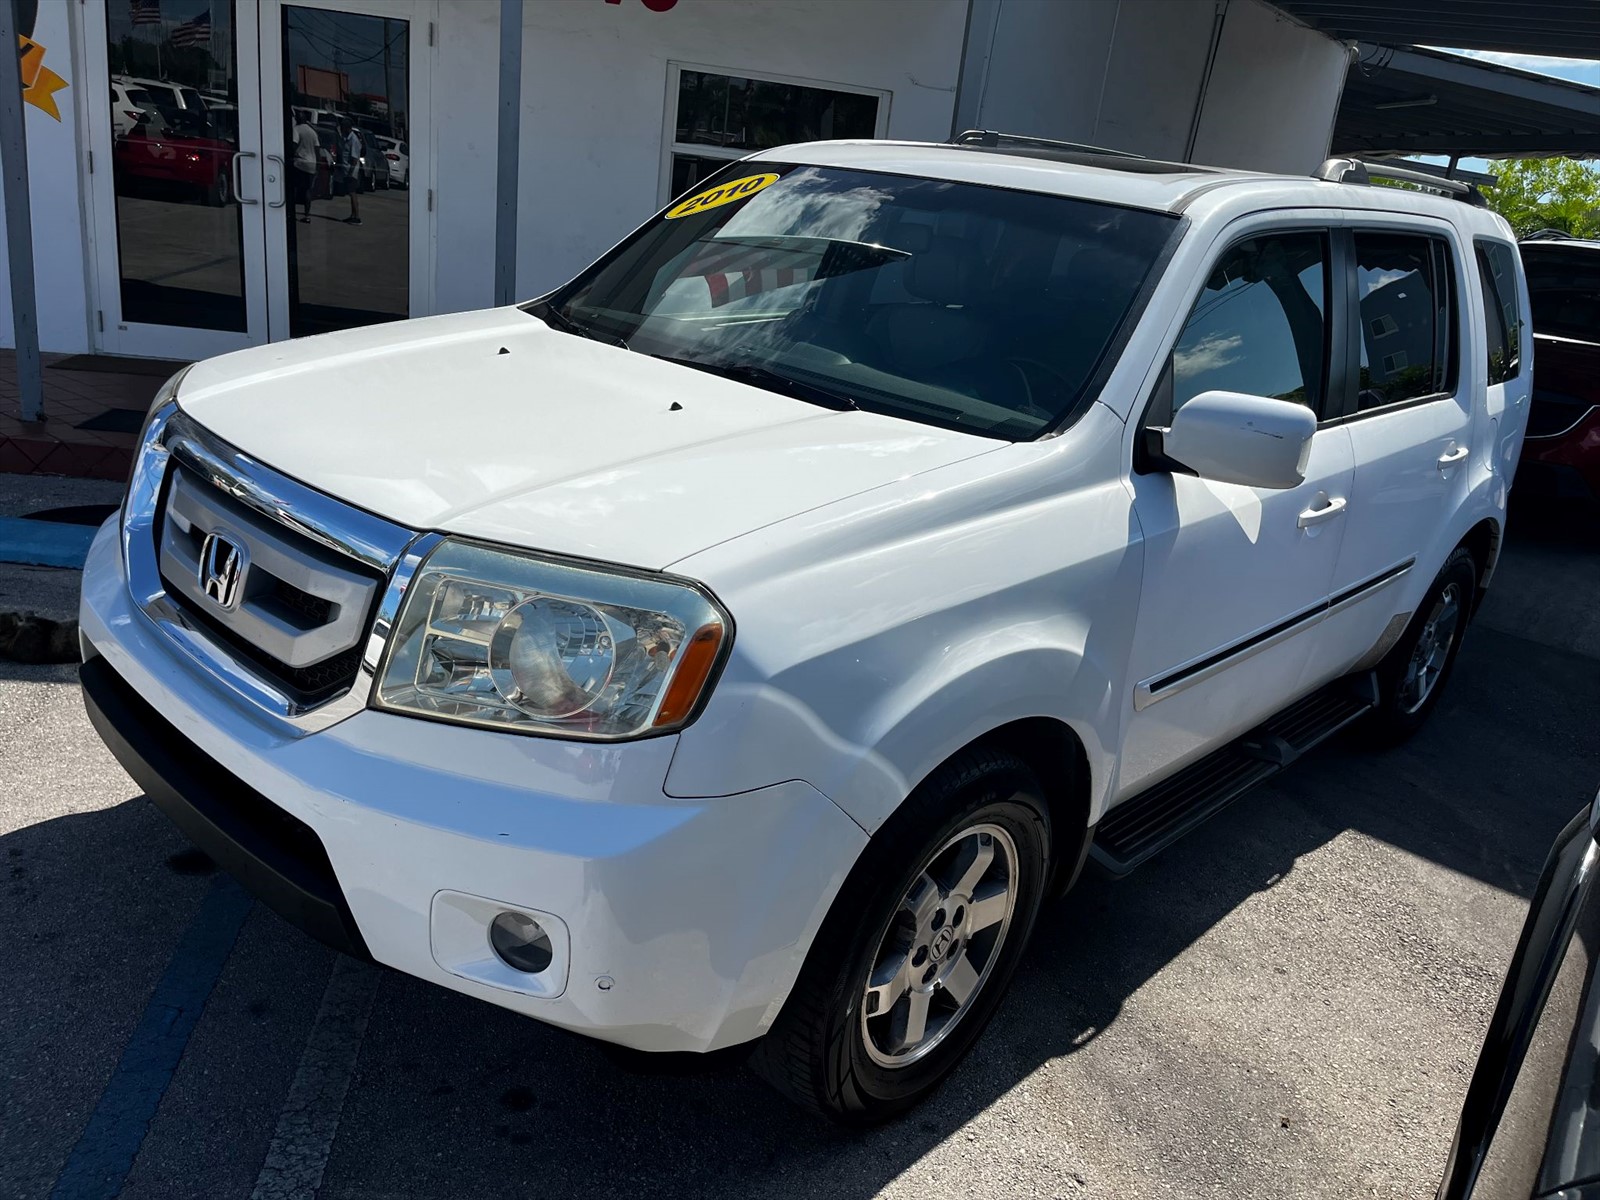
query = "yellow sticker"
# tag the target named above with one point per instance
(727, 193)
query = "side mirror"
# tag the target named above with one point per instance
(1234, 438)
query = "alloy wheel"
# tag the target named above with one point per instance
(940, 946)
(1432, 651)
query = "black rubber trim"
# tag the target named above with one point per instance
(276, 856)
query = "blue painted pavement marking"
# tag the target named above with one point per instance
(44, 543)
(99, 1163)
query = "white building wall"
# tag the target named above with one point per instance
(61, 281)
(1274, 93)
(1128, 75)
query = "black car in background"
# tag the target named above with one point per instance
(1530, 1126)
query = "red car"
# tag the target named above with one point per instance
(177, 148)
(1561, 454)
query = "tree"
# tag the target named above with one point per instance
(1547, 193)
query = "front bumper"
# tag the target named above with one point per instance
(685, 922)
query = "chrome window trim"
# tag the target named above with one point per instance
(391, 549)
(1545, 437)
(1206, 666)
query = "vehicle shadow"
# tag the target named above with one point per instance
(451, 1097)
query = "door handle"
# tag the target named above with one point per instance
(278, 203)
(1451, 457)
(238, 184)
(1316, 516)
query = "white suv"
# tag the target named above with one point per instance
(742, 643)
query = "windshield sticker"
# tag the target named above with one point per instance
(727, 193)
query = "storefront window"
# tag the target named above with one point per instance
(722, 117)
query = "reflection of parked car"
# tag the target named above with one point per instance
(1562, 452)
(399, 159)
(177, 148)
(128, 103)
(165, 92)
(832, 606)
(1530, 1124)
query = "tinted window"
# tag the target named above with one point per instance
(1260, 326)
(1564, 290)
(1405, 328)
(1502, 321)
(948, 303)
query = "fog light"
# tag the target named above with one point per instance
(521, 942)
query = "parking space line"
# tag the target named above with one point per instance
(104, 1153)
(311, 1111)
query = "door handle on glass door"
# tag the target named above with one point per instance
(238, 184)
(1451, 457)
(1316, 516)
(278, 179)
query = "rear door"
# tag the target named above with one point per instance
(1235, 578)
(1410, 416)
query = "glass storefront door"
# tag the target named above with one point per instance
(258, 171)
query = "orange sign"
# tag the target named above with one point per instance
(39, 83)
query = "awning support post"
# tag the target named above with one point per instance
(19, 218)
(505, 214)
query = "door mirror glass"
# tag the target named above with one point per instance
(1230, 437)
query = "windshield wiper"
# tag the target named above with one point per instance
(772, 381)
(553, 316)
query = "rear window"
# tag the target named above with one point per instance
(953, 304)
(1564, 290)
(1502, 317)
(139, 98)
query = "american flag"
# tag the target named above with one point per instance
(145, 12)
(193, 33)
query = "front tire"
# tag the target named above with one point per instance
(919, 946)
(1413, 674)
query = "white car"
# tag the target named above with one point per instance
(399, 159)
(129, 102)
(815, 583)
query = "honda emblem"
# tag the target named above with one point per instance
(221, 570)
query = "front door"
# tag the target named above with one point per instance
(242, 176)
(1235, 578)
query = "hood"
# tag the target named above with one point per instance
(492, 425)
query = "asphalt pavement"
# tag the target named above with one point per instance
(1286, 1003)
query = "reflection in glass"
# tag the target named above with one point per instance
(174, 132)
(345, 87)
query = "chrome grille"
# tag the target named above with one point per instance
(278, 591)
(300, 610)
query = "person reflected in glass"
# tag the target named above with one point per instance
(305, 162)
(350, 168)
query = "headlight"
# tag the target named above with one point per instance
(514, 641)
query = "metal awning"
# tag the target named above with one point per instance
(1560, 28)
(1428, 102)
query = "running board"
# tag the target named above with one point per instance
(1141, 827)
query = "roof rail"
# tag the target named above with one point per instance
(1550, 235)
(994, 138)
(1365, 170)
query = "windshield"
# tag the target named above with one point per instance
(1564, 290)
(953, 304)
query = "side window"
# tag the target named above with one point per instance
(1259, 327)
(1502, 319)
(1406, 336)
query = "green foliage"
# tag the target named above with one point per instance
(1547, 193)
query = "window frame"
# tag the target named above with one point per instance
(1347, 407)
(1481, 246)
(1147, 457)
(669, 117)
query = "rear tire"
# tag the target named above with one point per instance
(917, 951)
(1414, 673)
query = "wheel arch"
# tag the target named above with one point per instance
(1483, 541)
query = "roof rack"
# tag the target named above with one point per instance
(1550, 235)
(994, 138)
(1365, 170)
